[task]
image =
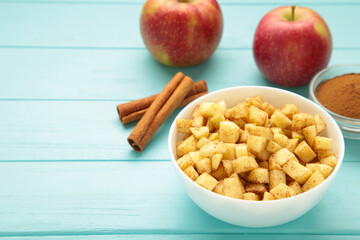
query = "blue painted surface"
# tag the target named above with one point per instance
(66, 170)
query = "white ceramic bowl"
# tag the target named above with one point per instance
(257, 213)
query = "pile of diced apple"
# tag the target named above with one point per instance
(254, 151)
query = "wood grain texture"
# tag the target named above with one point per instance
(81, 130)
(66, 170)
(123, 198)
(74, 74)
(60, 24)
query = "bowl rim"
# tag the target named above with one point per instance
(330, 178)
(312, 90)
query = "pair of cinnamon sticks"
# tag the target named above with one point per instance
(154, 110)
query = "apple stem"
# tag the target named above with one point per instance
(292, 12)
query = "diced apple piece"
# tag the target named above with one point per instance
(229, 132)
(294, 185)
(325, 170)
(251, 196)
(280, 139)
(228, 167)
(322, 143)
(249, 126)
(273, 164)
(261, 131)
(230, 151)
(297, 171)
(297, 135)
(330, 160)
(257, 116)
(216, 119)
(214, 136)
(210, 126)
(198, 119)
(304, 152)
(279, 119)
(282, 191)
(240, 122)
(191, 173)
(215, 161)
(320, 123)
(276, 176)
(209, 109)
(184, 162)
(195, 156)
(264, 155)
(258, 175)
(244, 164)
(206, 181)
(289, 110)
(324, 153)
(183, 125)
(186, 146)
(291, 144)
(233, 187)
(315, 179)
(200, 132)
(268, 196)
(310, 133)
(282, 156)
(301, 120)
(204, 165)
(277, 130)
(238, 112)
(202, 142)
(208, 150)
(241, 150)
(219, 188)
(268, 108)
(256, 144)
(272, 147)
(244, 136)
(254, 101)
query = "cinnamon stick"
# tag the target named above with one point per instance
(134, 110)
(161, 108)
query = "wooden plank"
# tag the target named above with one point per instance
(122, 74)
(97, 198)
(113, 25)
(44, 130)
(110, 74)
(81, 130)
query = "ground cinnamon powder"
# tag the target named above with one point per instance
(341, 95)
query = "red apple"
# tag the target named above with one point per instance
(291, 45)
(181, 33)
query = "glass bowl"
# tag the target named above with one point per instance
(350, 127)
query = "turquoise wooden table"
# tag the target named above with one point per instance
(66, 170)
